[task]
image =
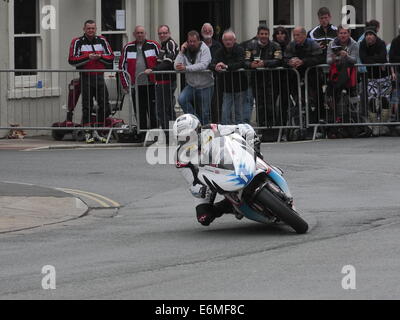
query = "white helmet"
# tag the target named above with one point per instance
(185, 125)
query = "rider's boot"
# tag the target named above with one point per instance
(223, 207)
(205, 213)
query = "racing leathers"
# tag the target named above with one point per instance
(207, 211)
(92, 83)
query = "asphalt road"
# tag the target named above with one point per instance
(154, 249)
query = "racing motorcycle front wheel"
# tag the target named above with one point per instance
(281, 210)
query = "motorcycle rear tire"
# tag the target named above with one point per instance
(282, 211)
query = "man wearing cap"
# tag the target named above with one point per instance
(394, 57)
(373, 51)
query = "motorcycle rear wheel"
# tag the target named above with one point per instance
(282, 211)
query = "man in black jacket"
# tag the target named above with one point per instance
(234, 84)
(207, 34)
(325, 32)
(301, 54)
(394, 57)
(373, 51)
(92, 52)
(261, 53)
(165, 83)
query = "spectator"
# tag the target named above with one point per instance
(234, 85)
(281, 79)
(165, 83)
(394, 57)
(342, 56)
(362, 71)
(262, 53)
(249, 101)
(325, 32)
(195, 57)
(301, 54)
(282, 37)
(207, 33)
(91, 52)
(370, 24)
(136, 57)
(373, 51)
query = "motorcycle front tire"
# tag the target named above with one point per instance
(282, 211)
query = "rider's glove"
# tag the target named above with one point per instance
(198, 191)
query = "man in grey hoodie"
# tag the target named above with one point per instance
(343, 54)
(194, 59)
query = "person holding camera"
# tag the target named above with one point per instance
(342, 55)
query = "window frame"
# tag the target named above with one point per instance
(12, 36)
(124, 33)
(292, 12)
(27, 86)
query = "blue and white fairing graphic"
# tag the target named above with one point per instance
(232, 166)
(242, 177)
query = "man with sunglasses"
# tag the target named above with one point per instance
(165, 83)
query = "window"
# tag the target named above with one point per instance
(113, 22)
(29, 49)
(361, 16)
(112, 18)
(284, 14)
(26, 35)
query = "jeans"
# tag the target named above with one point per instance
(233, 115)
(197, 102)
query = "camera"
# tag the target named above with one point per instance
(336, 49)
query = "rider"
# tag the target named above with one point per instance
(188, 127)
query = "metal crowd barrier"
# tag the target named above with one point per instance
(368, 108)
(265, 98)
(54, 99)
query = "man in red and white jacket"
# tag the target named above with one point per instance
(136, 57)
(92, 52)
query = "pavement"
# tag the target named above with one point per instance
(47, 142)
(24, 206)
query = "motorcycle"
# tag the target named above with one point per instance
(257, 190)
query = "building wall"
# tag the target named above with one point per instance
(4, 58)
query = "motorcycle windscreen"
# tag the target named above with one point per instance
(226, 162)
